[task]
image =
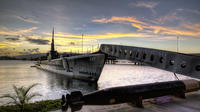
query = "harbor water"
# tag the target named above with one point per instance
(52, 86)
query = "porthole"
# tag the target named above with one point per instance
(197, 68)
(183, 65)
(161, 59)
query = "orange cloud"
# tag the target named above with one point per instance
(116, 35)
(118, 19)
(172, 31)
(8, 44)
(193, 27)
(27, 30)
(66, 41)
(138, 26)
(5, 31)
(62, 34)
(194, 30)
(65, 44)
(2, 45)
(99, 36)
(102, 20)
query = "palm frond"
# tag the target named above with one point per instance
(31, 96)
(29, 88)
(8, 96)
(8, 103)
(14, 98)
(16, 91)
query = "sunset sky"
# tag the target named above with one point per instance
(26, 25)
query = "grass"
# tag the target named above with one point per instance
(41, 106)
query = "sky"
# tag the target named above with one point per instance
(26, 25)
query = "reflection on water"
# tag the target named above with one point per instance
(52, 86)
(69, 84)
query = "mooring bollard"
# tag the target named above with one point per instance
(133, 93)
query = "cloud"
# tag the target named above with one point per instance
(5, 44)
(60, 39)
(27, 30)
(6, 31)
(170, 31)
(98, 36)
(2, 45)
(12, 39)
(164, 38)
(168, 18)
(27, 19)
(118, 19)
(150, 5)
(29, 51)
(173, 31)
(38, 41)
(102, 20)
(62, 34)
(116, 35)
(13, 33)
(192, 27)
(72, 43)
(34, 50)
(189, 11)
(150, 28)
(137, 26)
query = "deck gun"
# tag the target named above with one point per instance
(132, 93)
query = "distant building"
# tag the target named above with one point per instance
(52, 53)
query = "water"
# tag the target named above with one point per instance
(52, 86)
(122, 75)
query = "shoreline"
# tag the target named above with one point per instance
(42, 106)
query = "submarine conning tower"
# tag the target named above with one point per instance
(53, 54)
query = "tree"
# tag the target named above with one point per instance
(21, 96)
